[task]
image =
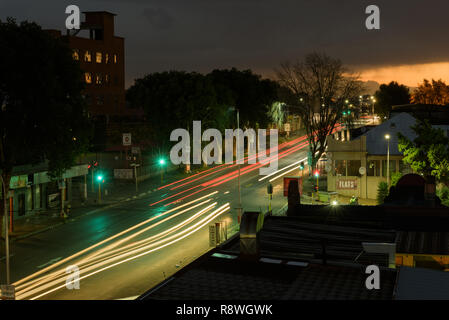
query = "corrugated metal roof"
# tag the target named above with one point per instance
(375, 138)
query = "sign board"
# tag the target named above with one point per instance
(54, 200)
(123, 173)
(7, 292)
(362, 171)
(287, 182)
(127, 139)
(212, 236)
(287, 127)
(347, 184)
(17, 182)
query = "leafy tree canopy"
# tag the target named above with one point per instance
(42, 115)
(389, 95)
(428, 153)
(435, 92)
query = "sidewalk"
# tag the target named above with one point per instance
(113, 194)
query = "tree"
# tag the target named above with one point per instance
(318, 88)
(428, 153)
(435, 92)
(382, 192)
(248, 92)
(389, 95)
(174, 100)
(42, 116)
(277, 114)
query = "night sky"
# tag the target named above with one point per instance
(201, 35)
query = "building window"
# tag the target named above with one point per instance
(106, 79)
(353, 167)
(373, 169)
(106, 58)
(340, 168)
(88, 77)
(100, 100)
(115, 58)
(76, 54)
(98, 57)
(98, 79)
(392, 167)
(87, 56)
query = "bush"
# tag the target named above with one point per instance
(382, 192)
(395, 178)
(443, 194)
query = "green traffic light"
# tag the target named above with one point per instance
(100, 177)
(161, 162)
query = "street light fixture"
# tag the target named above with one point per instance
(387, 136)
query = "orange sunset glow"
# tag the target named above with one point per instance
(410, 75)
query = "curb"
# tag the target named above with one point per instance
(14, 239)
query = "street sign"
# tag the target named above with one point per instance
(287, 127)
(7, 292)
(135, 150)
(362, 171)
(127, 139)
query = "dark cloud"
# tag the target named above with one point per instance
(205, 34)
(158, 17)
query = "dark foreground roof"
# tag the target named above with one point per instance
(235, 279)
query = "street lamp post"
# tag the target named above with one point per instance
(135, 165)
(237, 145)
(99, 178)
(387, 136)
(5, 217)
(239, 209)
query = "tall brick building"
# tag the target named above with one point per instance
(101, 55)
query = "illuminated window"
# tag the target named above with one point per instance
(98, 57)
(373, 169)
(115, 58)
(76, 54)
(98, 79)
(87, 56)
(106, 58)
(88, 77)
(106, 78)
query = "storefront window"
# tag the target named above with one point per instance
(373, 168)
(340, 168)
(353, 167)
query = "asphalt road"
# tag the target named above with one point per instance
(139, 259)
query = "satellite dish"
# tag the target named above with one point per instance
(362, 170)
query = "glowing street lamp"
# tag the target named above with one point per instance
(387, 136)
